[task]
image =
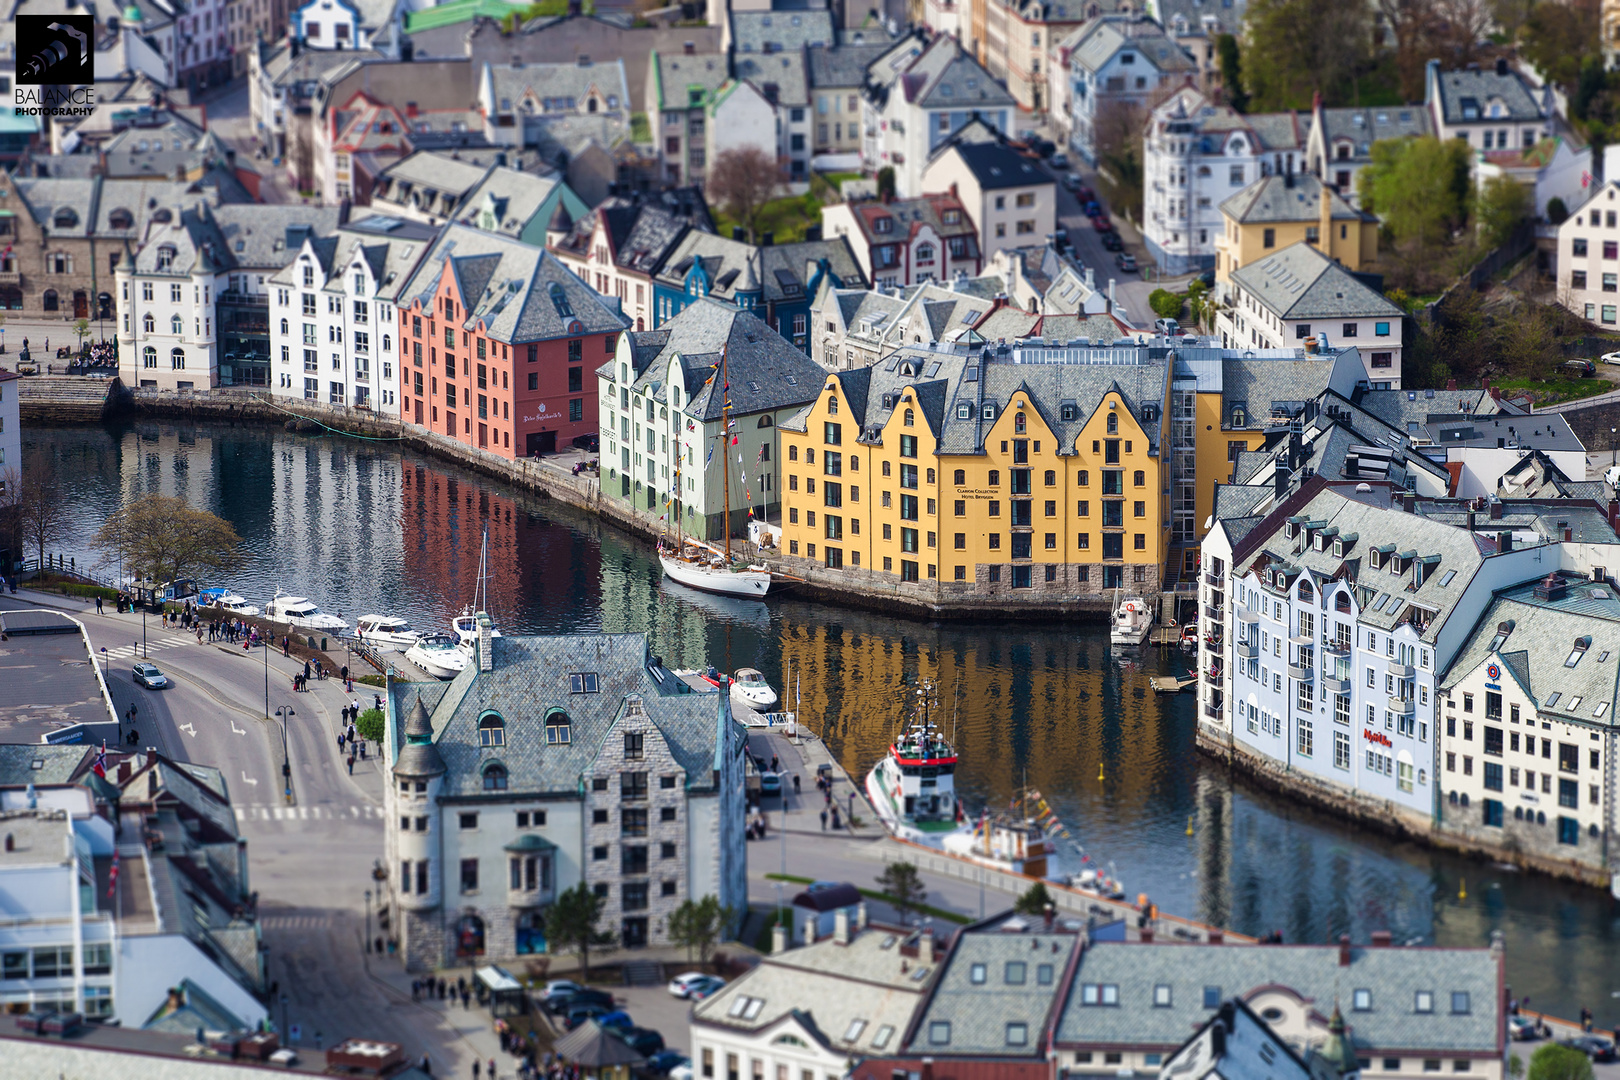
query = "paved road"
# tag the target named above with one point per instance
(1130, 290)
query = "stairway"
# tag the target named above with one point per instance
(642, 972)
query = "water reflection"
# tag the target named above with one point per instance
(362, 527)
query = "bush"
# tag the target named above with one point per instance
(370, 725)
(90, 591)
(1554, 1062)
(1557, 212)
(1165, 304)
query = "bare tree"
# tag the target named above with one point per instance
(42, 515)
(1117, 135)
(742, 181)
(1461, 27)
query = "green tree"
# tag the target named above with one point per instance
(165, 539)
(1165, 304)
(1557, 212)
(1554, 1062)
(1299, 48)
(1420, 189)
(698, 925)
(1034, 900)
(571, 925)
(900, 883)
(1200, 304)
(370, 725)
(1230, 58)
(885, 182)
(1502, 206)
(1560, 39)
(81, 330)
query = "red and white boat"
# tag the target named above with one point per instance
(913, 789)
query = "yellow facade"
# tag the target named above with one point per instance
(1216, 450)
(1026, 513)
(1353, 242)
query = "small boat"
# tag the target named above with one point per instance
(301, 612)
(439, 655)
(386, 630)
(1133, 620)
(913, 789)
(465, 626)
(751, 685)
(1002, 842)
(1102, 883)
(235, 603)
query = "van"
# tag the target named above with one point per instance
(1167, 327)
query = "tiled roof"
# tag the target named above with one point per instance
(842, 65)
(1289, 198)
(514, 197)
(780, 31)
(1362, 126)
(997, 166)
(1393, 977)
(1102, 40)
(1007, 975)
(1461, 91)
(946, 77)
(512, 84)
(1299, 282)
(678, 74)
(780, 73)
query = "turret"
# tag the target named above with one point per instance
(419, 772)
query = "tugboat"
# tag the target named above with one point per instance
(913, 789)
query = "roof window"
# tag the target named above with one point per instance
(582, 682)
(1582, 643)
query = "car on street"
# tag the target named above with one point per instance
(1523, 1029)
(1112, 242)
(682, 986)
(149, 676)
(1084, 194)
(618, 1019)
(1092, 208)
(1072, 182)
(558, 986)
(1060, 160)
(643, 1041)
(665, 1061)
(1126, 262)
(1610, 358)
(1102, 224)
(770, 783)
(1596, 1047)
(1167, 327)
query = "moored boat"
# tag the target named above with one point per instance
(913, 789)
(233, 602)
(1133, 621)
(303, 613)
(700, 568)
(386, 630)
(439, 655)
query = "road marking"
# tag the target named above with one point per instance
(234, 729)
(189, 729)
(247, 780)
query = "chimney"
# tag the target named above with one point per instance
(767, 239)
(1451, 384)
(925, 946)
(1381, 939)
(779, 938)
(841, 926)
(584, 61)
(1352, 466)
(1501, 65)
(1110, 295)
(1091, 279)
(486, 662)
(1281, 477)
(1569, 534)
(1147, 935)
(1312, 346)
(1216, 935)
(1471, 521)
(812, 232)
(860, 915)
(738, 233)
(1409, 502)
(689, 48)
(1496, 509)
(1504, 541)
(1325, 224)
(1496, 393)
(1344, 950)
(411, 111)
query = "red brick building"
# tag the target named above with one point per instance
(499, 341)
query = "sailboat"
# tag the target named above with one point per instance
(465, 625)
(701, 565)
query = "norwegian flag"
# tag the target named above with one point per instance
(112, 877)
(1586, 179)
(100, 765)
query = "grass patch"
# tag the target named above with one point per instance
(784, 218)
(876, 894)
(640, 129)
(1547, 391)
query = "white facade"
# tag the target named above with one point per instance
(166, 331)
(11, 461)
(1589, 258)
(1114, 62)
(1188, 171)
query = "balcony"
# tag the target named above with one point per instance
(1212, 637)
(1302, 674)
(1214, 580)
(1214, 678)
(1400, 671)
(1244, 615)
(1212, 711)
(1332, 684)
(1215, 613)
(1245, 649)
(1402, 706)
(1335, 648)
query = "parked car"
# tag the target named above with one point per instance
(1092, 208)
(578, 1014)
(1610, 358)
(589, 442)
(558, 1004)
(1596, 1047)
(1167, 327)
(1208, 278)
(1523, 1029)
(558, 986)
(149, 676)
(770, 783)
(665, 1061)
(1581, 369)
(1102, 224)
(618, 1019)
(643, 1041)
(1060, 160)
(1085, 194)
(1112, 242)
(681, 985)
(1126, 262)
(1073, 182)
(713, 986)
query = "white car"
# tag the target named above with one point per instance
(684, 986)
(557, 986)
(1610, 358)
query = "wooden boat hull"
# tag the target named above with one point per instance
(753, 584)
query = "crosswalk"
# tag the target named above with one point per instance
(295, 922)
(123, 652)
(257, 812)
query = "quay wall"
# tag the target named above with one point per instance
(1380, 815)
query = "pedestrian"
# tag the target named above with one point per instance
(98, 605)
(491, 1069)
(477, 1068)
(306, 671)
(362, 749)
(826, 795)
(416, 988)
(340, 742)
(1586, 1019)
(354, 707)
(835, 819)
(823, 819)
(774, 764)
(795, 783)
(852, 803)
(286, 645)
(351, 764)
(466, 998)
(427, 1066)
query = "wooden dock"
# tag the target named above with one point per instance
(1165, 635)
(1171, 684)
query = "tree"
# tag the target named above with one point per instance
(885, 182)
(1299, 48)
(1559, 38)
(370, 725)
(1410, 24)
(1557, 212)
(1117, 133)
(162, 538)
(1501, 207)
(1554, 1062)
(900, 883)
(1420, 189)
(1034, 900)
(698, 924)
(1200, 304)
(742, 180)
(571, 925)
(41, 514)
(81, 330)
(1165, 304)
(1230, 58)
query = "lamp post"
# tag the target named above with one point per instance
(266, 641)
(1612, 447)
(285, 712)
(368, 920)
(143, 632)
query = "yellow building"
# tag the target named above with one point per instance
(1276, 211)
(1028, 473)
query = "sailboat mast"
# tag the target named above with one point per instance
(725, 444)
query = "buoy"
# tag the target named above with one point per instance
(1131, 608)
(1099, 772)
(1189, 825)
(1462, 891)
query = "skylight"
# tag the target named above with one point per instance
(1552, 698)
(1445, 579)
(854, 1030)
(560, 301)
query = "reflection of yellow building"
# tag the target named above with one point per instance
(1277, 211)
(961, 475)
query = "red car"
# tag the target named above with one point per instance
(1102, 224)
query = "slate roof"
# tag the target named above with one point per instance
(780, 31)
(288, 70)
(1289, 198)
(1299, 282)
(229, 237)
(907, 216)
(642, 230)
(767, 371)
(1228, 18)
(530, 677)
(510, 84)
(1541, 431)
(1364, 126)
(1399, 407)
(58, 764)
(1460, 89)
(943, 76)
(676, 75)
(784, 71)
(1005, 972)
(1544, 635)
(1393, 975)
(780, 272)
(428, 171)
(1103, 39)
(996, 166)
(515, 197)
(842, 65)
(390, 246)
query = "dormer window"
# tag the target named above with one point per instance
(559, 729)
(1581, 645)
(491, 730)
(988, 412)
(1240, 416)
(1503, 629)
(495, 778)
(884, 225)
(964, 411)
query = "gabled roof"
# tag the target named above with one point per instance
(510, 85)
(944, 76)
(1292, 197)
(836, 66)
(1299, 282)
(1096, 43)
(995, 165)
(1361, 126)
(776, 75)
(1466, 97)
(679, 77)
(780, 31)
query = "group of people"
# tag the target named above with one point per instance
(347, 734)
(232, 631)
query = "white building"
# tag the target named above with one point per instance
(11, 461)
(1114, 62)
(918, 95)
(1298, 293)
(1012, 198)
(1339, 144)
(351, 24)
(1197, 153)
(578, 760)
(1491, 110)
(1589, 258)
(334, 332)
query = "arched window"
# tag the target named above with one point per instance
(494, 776)
(49, 301)
(148, 323)
(491, 730)
(177, 325)
(165, 257)
(1019, 423)
(988, 412)
(832, 405)
(910, 418)
(149, 357)
(1305, 591)
(177, 360)
(925, 253)
(1113, 423)
(65, 218)
(283, 327)
(1141, 478)
(961, 477)
(121, 219)
(559, 729)
(470, 933)
(1240, 416)
(764, 422)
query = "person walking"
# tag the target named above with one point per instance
(823, 819)
(306, 671)
(491, 1069)
(351, 764)
(835, 819)
(98, 605)
(478, 1067)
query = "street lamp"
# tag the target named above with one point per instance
(1612, 447)
(285, 712)
(266, 642)
(368, 919)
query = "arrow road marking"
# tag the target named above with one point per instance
(247, 780)
(189, 729)
(234, 729)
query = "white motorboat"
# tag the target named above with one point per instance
(386, 630)
(439, 655)
(1133, 620)
(751, 686)
(302, 612)
(465, 626)
(235, 603)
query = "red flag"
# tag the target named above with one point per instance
(112, 877)
(100, 765)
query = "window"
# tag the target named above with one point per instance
(469, 875)
(1423, 1001)
(939, 1032)
(1099, 994)
(1212, 997)
(1361, 1001)
(491, 730)
(1015, 972)
(558, 728)
(495, 777)
(1017, 1034)
(1459, 1003)
(1162, 996)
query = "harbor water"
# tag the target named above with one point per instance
(364, 528)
